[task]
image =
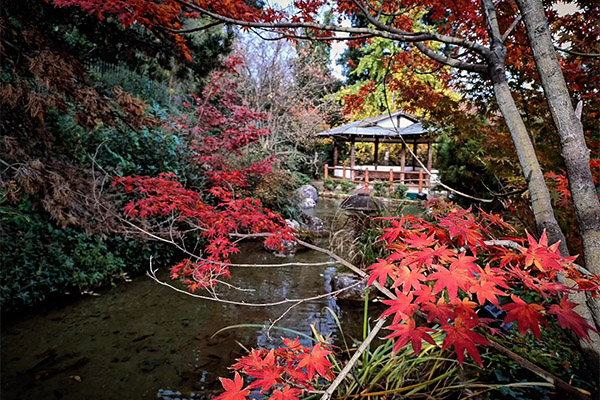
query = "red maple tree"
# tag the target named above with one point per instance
(219, 127)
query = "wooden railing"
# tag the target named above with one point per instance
(416, 179)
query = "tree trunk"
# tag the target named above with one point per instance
(540, 198)
(575, 153)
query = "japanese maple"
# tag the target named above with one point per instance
(218, 128)
(447, 287)
(283, 373)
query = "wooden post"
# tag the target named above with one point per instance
(335, 154)
(391, 181)
(429, 155)
(429, 161)
(352, 156)
(344, 172)
(402, 163)
(367, 180)
(420, 181)
(326, 174)
(414, 159)
(376, 155)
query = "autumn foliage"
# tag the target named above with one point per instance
(219, 127)
(445, 271)
(283, 372)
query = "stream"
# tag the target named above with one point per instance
(141, 340)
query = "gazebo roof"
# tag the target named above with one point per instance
(385, 127)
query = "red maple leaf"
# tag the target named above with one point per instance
(567, 318)
(287, 393)
(450, 279)
(440, 310)
(408, 278)
(317, 361)
(465, 262)
(409, 332)
(424, 295)
(402, 307)
(463, 338)
(419, 241)
(541, 256)
(381, 270)
(268, 374)
(527, 315)
(486, 290)
(233, 389)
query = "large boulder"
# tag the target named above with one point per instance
(292, 223)
(307, 196)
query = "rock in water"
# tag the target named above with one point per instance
(313, 224)
(292, 223)
(341, 280)
(307, 196)
(287, 248)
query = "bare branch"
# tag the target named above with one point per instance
(511, 28)
(452, 62)
(152, 274)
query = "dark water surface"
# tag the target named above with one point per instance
(141, 340)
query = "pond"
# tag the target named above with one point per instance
(141, 340)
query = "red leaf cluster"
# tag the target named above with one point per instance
(219, 127)
(284, 372)
(430, 262)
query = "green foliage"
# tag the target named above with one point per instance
(329, 184)
(274, 190)
(347, 186)
(301, 178)
(40, 259)
(554, 352)
(399, 191)
(381, 188)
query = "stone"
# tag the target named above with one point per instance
(287, 248)
(343, 279)
(307, 196)
(292, 223)
(311, 223)
(308, 203)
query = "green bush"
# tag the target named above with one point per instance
(399, 192)
(329, 184)
(274, 191)
(347, 186)
(381, 188)
(40, 259)
(301, 178)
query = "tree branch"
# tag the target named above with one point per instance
(452, 62)
(384, 31)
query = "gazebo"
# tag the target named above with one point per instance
(397, 127)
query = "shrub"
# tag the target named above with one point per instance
(40, 259)
(382, 189)
(274, 191)
(399, 192)
(329, 184)
(302, 178)
(347, 186)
